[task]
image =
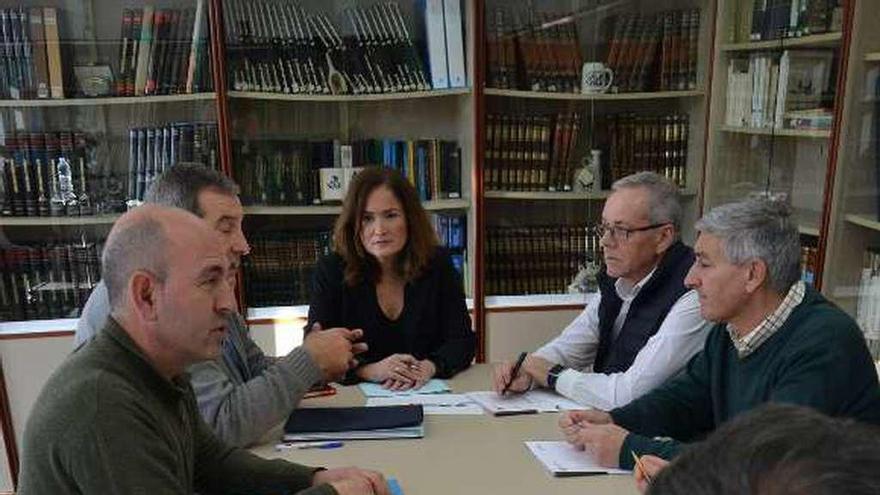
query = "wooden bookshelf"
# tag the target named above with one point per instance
(539, 95)
(440, 93)
(59, 221)
(795, 133)
(812, 41)
(109, 101)
(546, 195)
(560, 196)
(329, 210)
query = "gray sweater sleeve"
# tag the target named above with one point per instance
(241, 413)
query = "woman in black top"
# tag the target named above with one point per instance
(388, 277)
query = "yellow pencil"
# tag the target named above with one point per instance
(641, 467)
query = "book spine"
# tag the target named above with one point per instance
(40, 67)
(144, 49)
(53, 52)
(195, 45)
(124, 49)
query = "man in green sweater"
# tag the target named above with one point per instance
(120, 416)
(776, 340)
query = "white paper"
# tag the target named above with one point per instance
(433, 386)
(548, 401)
(533, 400)
(439, 404)
(562, 459)
(496, 404)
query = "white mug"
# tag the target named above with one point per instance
(595, 78)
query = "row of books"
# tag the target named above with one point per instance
(164, 51)
(532, 56)
(30, 53)
(539, 259)
(654, 52)
(759, 20)
(433, 166)
(279, 269)
(48, 281)
(452, 233)
(868, 306)
(772, 91)
(151, 150)
(277, 46)
(46, 174)
(286, 173)
(526, 152)
(635, 143)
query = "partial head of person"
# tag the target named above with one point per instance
(778, 450)
(383, 228)
(206, 193)
(640, 221)
(747, 253)
(166, 275)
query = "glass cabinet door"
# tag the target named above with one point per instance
(774, 84)
(851, 266)
(317, 91)
(578, 95)
(96, 100)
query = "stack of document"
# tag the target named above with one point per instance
(433, 386)
(354, 423)
(531, 402)
(562, 459)
(433, 404)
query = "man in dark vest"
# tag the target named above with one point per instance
(644, 325)
(775, 339)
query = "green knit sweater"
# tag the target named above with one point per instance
(107, 422)
(818, 358)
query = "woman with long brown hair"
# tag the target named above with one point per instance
(388, 276)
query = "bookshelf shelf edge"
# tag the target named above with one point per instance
(110, 101)
(816, 40)
(255, 95)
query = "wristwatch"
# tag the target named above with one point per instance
(553, 375)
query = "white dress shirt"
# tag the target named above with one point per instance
(679, 337)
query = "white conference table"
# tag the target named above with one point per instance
(459, 454)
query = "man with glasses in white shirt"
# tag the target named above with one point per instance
(644, 326)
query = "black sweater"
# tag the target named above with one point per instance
(434, 323)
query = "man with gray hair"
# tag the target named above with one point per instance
(775, 340)
(645, 324)
(119, 416)
(243, 393)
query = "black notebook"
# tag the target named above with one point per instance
(352, 423)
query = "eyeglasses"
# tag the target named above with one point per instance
(623, 233)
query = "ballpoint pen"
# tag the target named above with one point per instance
(515, 371)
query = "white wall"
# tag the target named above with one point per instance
(27, 364)
(509, 333)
